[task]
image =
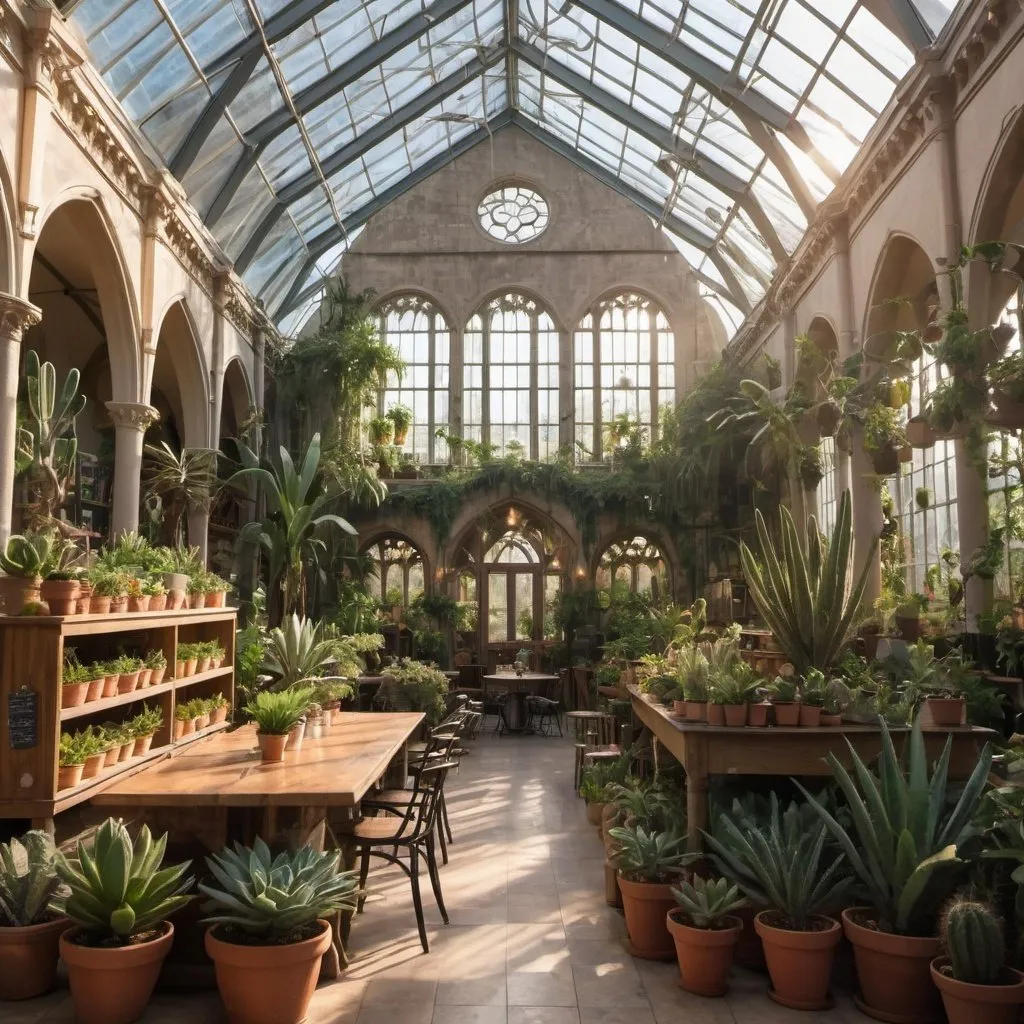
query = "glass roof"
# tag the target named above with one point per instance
(291, 122)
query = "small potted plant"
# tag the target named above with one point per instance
(184, 722)
(60, 590)
(202, 657)
(24, 560)
(30, 928)
(975, 983)
(128, 672)
(110, 737)
(95, 752)
(269, 929)
(75, 680)
(105, 585)
(96, 674)
(908, 617)
(71, 755)
(138, 599)
(201, 713)
(782, 693)
(217, 592)
(186, 658)
(812, 698)
(122, 583)
(144, 726)
(275, 714)
(119, 901)
(110, 678)
(731, 690)
(217, 654)
(157, 594)
(380, 430)
(705, 933)
(218, 709)
(156, 662)
(401, 417)
(177, 565)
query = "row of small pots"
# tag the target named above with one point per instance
(273, 746)
(74, 695)
(188, 726)
(754, 715)
(70, 775)
(183, 668)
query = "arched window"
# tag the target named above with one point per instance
(510, 377)
(826, 491)
(637, 562)
(624, 366)
(399, 568)
(418, 330)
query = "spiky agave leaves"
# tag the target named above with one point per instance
(28, 879)
(802, 589)
(117, 888)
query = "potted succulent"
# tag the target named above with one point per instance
(275, 714)
(731, 691)
(784, 866)
(782, 693)
(119, 900)
(24, 560)
(268, 927)
(401, 418)
(29, 926)
(975, 983)
(156, 662)
(60, 589)
(144, 726)
(71, 755)
(648, 862)
(907, 865)
(812, 697)
(177, 565)
(705, 933)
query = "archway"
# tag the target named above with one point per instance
(8, 258)
(637, 563)
(825, 342)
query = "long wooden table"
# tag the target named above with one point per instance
(705, 750)
(200, 790)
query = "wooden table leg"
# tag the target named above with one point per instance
(696, 809)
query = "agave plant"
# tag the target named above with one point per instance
(275, 898)
(706, 902)
(905, 830)
(802, 589)
(28, 880)
(295, 650)
(117, 888)
(647, 856)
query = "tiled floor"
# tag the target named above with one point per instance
(531, 940)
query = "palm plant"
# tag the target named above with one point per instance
(802, 589)
(277, 713)
(288, 533)
(296, 650)
(185, 481)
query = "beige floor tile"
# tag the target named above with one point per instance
(615, 1015)
(550, 988)
(543, 1015)
(589, 952)
(471, 1014)
(487, 991)
(409, 1014)
(609, 985)
(392, 991)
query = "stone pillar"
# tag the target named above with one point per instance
(199, 531)
(847, 332)
(130, 421)
(16, 316)
(867, 521)
(221, 291)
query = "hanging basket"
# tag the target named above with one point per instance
(920, 433)
(886, 461)
(905, 454)
(1007, 412)
(828, 415)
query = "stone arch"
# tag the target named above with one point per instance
(236, 397)
(513, 288)
(822, 331)
(373, 539)
(8, 250)
(625, 288)
(903, 268)
(182, 377)
(419, 293)
(651, 533)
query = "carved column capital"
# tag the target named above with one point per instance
(132, 414)
(16, 317)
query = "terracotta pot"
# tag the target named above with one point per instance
(125, 751)
(84, 598)
(216, 599)
(197, 600)
(28, 959)
(886, 461)
(831, 721)
(16, 592)
(757, 715)
(218, 715)
(910, 628)
(787, 713)
(110, 685)
(179, 669)
(735, 715)
(267, 984)
(612, 894)
(799, 963)
(295, 737)
(99, 605)
(69, 775)
(119, 605)
(157, 602)
(95, 689)
(188, 726)
(203, 664)
(679, 709)
(179, 728)
(272, 746)
(190, 666)
(93, 765)
(695, 710)
(704, 954)
(970, 1004)
(61, 596)
(142, 745)
(128, 681)
(145, 674)
(175, 600)
(894, 973)
(74, 695)
(947, 712)
(138, 604)
(810, 716)
(203, 721)
(113, 986)
(157, 675)
(594, 811)
(217, 661)
(110, 756)
(715, 713)
(646, 906)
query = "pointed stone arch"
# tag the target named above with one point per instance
(180, 374)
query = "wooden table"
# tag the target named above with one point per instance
(705, 750)
(514, 713)
(196, 789)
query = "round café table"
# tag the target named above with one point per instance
(514, 713)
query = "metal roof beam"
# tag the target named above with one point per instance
(363, 143)
(905, 21)
(765, 139)
(724, 180)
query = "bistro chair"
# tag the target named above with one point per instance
(546, 708)
(595, 737)
(386, 835)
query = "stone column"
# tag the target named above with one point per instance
(199, 531)
(847, 332)
(566, 392)
(130, 421)
(16, 316)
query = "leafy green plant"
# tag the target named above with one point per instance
(185, 481)
(147, 721)
(28, 555)
(296, 650)
(643, 856)
(278, 713)
(707, 902)
(412, 685)
(29, 883)
(118, 888)
(156, 659)
(74, 748)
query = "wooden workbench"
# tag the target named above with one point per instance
(705, 750)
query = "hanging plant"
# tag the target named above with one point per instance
(809, 466)
(883, 438)
(923, 497)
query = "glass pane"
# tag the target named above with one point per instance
(524, 605)
(497, 607)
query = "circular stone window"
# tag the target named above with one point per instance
(513, 214)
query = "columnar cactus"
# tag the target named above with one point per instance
(973, 935)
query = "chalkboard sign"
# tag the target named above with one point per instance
(23, 719)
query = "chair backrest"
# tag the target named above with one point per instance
(421, 814)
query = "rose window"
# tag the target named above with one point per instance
(513, 214)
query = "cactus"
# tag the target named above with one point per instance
(973, 936)
(28, 880)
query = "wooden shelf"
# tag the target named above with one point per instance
(193, 736)
(121, 622)
(91, 707)
(90, 787)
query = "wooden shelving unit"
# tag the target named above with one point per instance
(31, 719)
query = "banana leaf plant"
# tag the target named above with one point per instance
(295, 499)
(802, 587)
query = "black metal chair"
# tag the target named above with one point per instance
(546, 708)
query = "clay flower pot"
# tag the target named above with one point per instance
(145, 674)
(125, 751)
(111, 756)
(267, 984)
(110, 685)
(272, 746)
(28, 959)
(203, 721)
(99, 605)
(735, 715)
(679, 709)
(757, 715)
(969, 1004)
(175, 600)
(197, 600)
(716, 714)
(157, 675)
(894, 972)
(84, 598)
(810, 716)
(188, 726)
(138, 604)
(216, 599)
(69, 775)
(218, 715)
(203, 664)
(646, 906)
(704, 954)
(113, 985)
(74, 695)
(594, 808)
(128, 681)
(157, 602)
(695, 711)
(179, 669)
(909, 627)
(947, 712)
(95, 690)
(61, 596)
(179, 729)
(119, 605)
(190, 666)
(831, 721)
(787, 713)
(94, 764)
(799, 963)
(142, 745)
(216, 661)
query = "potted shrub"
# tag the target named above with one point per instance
(138, 599)
(883, 438)
(216, 591)
(144, 726)
(157, 594)
(975, 983)
(268, 927)
(177, 565)
(705, 934)
(71, 755)
(812, 698)
(907, 865)
(781, 867)
(217, 654)
(95, 752)
(401, 418)
(96, 673)
(782, 693)
(647, 863)
(24, 560)
(29, 926)
(908, 617)
(60, 589)
(202, 657)
(275, 714)
(119, 901)
(381, 431)
(105, 584)
(156, 662)
(692, 672)
(732, 690)
(110, 678)
(128, 671)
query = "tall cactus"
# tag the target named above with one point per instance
(49, 440)
(802, 589)
(973, 937)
